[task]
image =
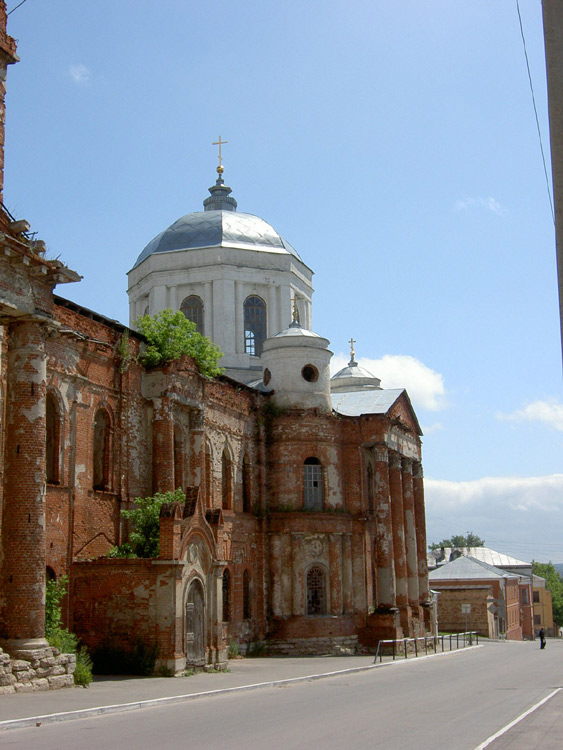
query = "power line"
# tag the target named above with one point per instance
(17, 6)
(535, 111)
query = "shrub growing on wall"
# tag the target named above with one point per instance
(61, 638)
(170, 334)
(144, 540)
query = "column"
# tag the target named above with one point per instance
(385, 568)
(286, 306)
(286, 573)
(208, 310)
(223, 318)
(162, 445)
(397, 519)
(158, 300)
(272, 316)
(334, 572)
(23, 519)
(347, 593)
(420, 522)
(196, 449)
(299, 604)
(276, 574)
(410, 532)
(217, 645)
(239, 318)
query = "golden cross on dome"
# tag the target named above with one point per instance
(219, 143)
(352, 342)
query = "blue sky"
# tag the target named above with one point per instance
(394, 145)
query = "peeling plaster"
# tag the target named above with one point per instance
(40, 366)
(35, 412)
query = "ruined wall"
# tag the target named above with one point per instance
(113, 602)
(88, 374)
(171, 427)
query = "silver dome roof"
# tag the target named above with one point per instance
(354, 378)
(218, 225)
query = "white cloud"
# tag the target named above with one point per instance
(425, 386)
(549, 413)
(79, 73)
(428, 429)
(521, 516)
(490, 204)
(516, 493)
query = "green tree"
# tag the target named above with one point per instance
(459, 540)
(170, 334)
(554, 583)
(144, 540)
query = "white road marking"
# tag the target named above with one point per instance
(493, 737)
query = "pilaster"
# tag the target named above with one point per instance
(385, 567)
(335, 572)
(276, 574)
(397, 517)
(410, 532)
(420, 522)
(347, 587)
(162, 445)
(196, 443)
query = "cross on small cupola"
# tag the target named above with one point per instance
(219, 143)
(220, 198)
(352, 353)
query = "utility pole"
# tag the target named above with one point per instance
(553, 36)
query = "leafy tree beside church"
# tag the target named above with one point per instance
(459, 540)
(554, 583)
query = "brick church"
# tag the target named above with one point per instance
(304, 525)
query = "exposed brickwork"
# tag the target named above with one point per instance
(23, 517)
(303, 527)
(172, 427)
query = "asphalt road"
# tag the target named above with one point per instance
(454, 702)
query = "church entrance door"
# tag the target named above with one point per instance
(195, 625)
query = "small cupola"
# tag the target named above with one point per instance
(297, 368)
(353, 377)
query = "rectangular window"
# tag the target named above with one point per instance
(537, 619)
(536, 597)
(313, 483)
(524, 596)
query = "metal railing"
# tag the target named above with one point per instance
(405, 647)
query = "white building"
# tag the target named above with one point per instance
(229, 272)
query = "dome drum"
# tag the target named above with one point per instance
(297, 368)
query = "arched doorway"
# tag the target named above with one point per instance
(195, 624)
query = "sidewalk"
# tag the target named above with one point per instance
(113, 694)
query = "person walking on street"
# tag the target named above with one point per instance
(542, 638)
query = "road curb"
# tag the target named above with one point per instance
(85, 713)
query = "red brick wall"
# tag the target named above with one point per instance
(113, 601)
(86, 373)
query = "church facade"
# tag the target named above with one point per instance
(303, 529)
